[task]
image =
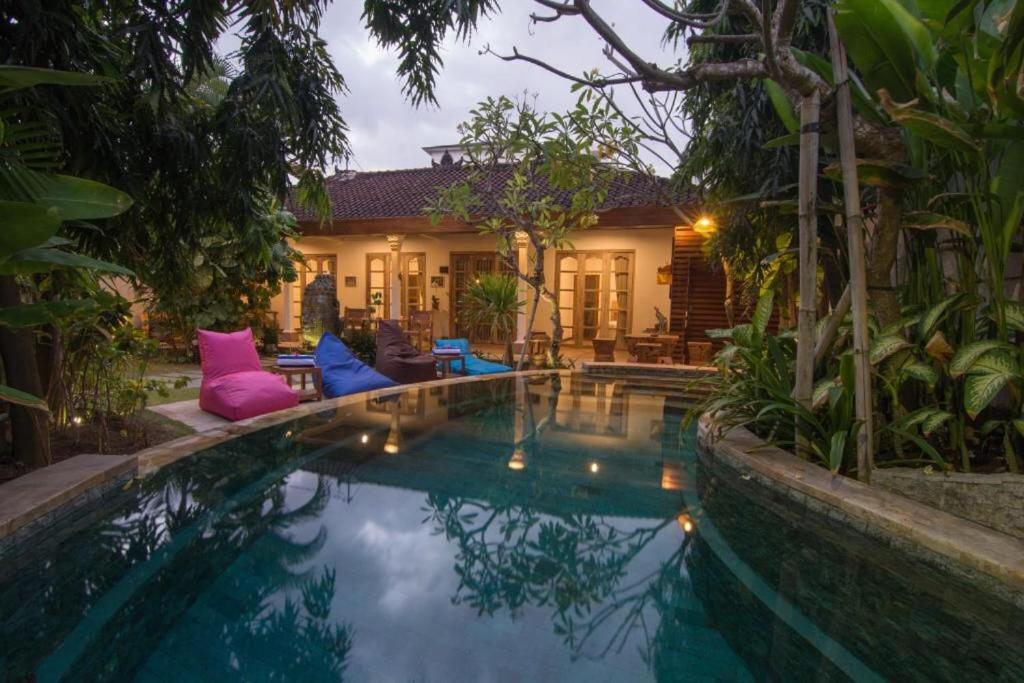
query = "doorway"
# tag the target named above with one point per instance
(595, 294)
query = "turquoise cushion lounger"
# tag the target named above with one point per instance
(343, 373)
(474, 365)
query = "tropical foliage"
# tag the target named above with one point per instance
(492, 302)
(512, 150)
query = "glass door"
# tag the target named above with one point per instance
(414, 283)
(594, 294)
(378, 284)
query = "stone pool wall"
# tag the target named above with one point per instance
(971, 552)
(995, 500)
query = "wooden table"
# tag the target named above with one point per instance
(445, 359)
(313, 393)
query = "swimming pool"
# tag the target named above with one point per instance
(513, 529)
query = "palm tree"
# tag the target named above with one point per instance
(492, 300)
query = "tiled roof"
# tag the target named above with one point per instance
(404, 193)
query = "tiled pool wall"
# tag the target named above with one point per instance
(843, 574)
(66, 517)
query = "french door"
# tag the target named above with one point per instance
(466, 267)
(594, 294)
(413, 277)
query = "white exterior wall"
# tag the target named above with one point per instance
(652, 246)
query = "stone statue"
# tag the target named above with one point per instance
(320, 308)
(661, 326)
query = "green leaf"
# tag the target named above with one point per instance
(1014, 312)
(22, 398)
(935, 420)
(82, 199)
(15, 77)
(28, 315)
(884, 346)
(763, 312)
(936, 129)
(788, 140)
(836, 450)
(921, 372)
(880, 173)
(1019, 424)
(24, 225)
(967, 356)
(979, 390)
(39, 260)
(926, 220)
(783, 107)
(931, 317)
(878, 45)
(819, 396)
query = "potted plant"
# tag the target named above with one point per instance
(492, 300)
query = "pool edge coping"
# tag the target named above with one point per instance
(964, 543)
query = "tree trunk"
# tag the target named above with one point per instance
(29, 426)
(884, 302)
(556, 328)
(858, 272)
(803, 381)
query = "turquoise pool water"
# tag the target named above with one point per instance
(556, 529)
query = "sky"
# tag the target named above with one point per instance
(388, 132)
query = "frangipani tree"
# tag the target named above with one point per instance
(534, 177)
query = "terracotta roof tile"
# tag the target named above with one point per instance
(404, 193)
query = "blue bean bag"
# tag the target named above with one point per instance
(474, 365)
(343, 373)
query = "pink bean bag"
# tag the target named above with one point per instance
(234, 385)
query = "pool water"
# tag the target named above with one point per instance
(553, 528)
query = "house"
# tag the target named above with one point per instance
(381, 246)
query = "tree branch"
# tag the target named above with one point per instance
(723, 38)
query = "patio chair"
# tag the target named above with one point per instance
(470, 364)
(399, 360)
(604, 350)
(343, 373)
(234, 385)
(354, 318)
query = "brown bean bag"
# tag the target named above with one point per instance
(398, 360)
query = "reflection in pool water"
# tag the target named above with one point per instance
(513, 529)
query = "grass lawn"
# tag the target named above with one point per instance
(173, 396)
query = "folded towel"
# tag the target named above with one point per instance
(292, 356)
(438, 351)
(296, 363)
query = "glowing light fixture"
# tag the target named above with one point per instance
(594, 468)
(685, 522)
(705, 226)
(77, 419)
(365, 438)
(518, 460)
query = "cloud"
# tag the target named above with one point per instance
(388, 132)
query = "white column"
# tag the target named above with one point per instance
(522, 245)
(395, 286)
(286, 309)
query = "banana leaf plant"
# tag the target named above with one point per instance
(34, 203)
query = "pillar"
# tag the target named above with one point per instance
(286, 308)
(525, 295)
(395, 285)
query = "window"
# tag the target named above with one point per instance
(378, 283)
(316, 264)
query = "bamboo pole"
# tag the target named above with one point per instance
(803, 384)
(855, 238)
